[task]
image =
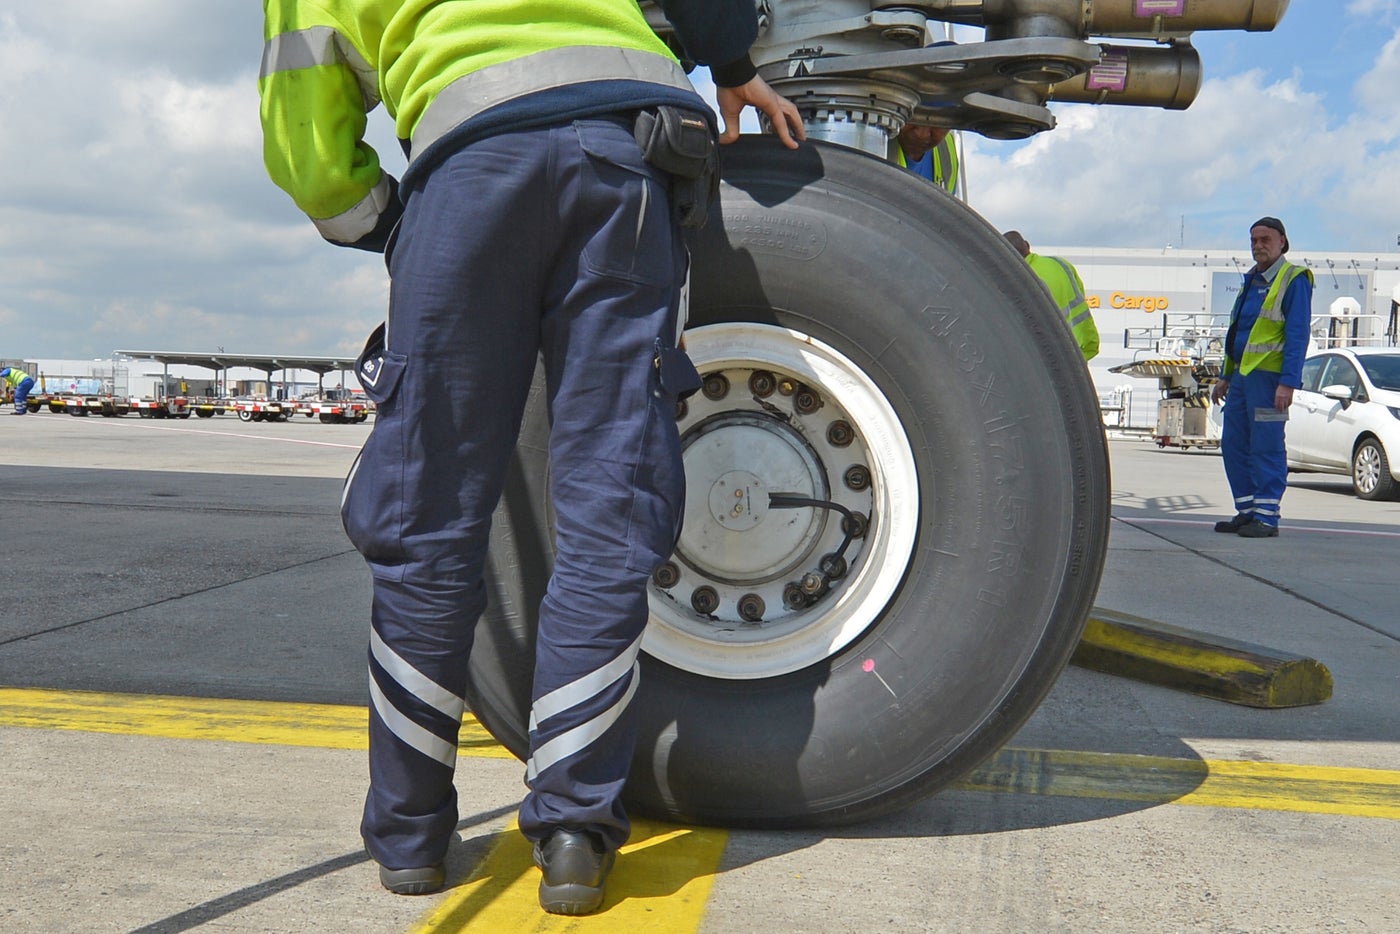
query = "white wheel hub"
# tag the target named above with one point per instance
(750, 591)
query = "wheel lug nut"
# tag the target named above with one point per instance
(787, 386)
(681, 410)
(855, 525)
(857, 477)
(806, 401)
(840, 434)
(793, 597)
(811, 584)
(762, 383)
(751, 607)
(666, 576)
(705, 600)
(716, 386)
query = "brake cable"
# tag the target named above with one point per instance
(814, 584)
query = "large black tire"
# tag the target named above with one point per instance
(878, 302)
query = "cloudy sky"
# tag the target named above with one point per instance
(134, 211)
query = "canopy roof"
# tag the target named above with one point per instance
(268, 363)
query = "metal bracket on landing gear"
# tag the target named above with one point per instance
(974, 87)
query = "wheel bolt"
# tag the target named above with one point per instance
(812, 584)
(855, 525)
(666, 576)
(787, 386)
(793, 597)
(857, 477)
(806, 401)
(716, 386)
(681, 410)
(840, 434)
(751, 607)
(762, 383)
(704, 600)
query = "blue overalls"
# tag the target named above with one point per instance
(1252, 436)
(556, 241)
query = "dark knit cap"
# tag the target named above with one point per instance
(1273, 223)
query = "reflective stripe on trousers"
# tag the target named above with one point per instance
(557, 240)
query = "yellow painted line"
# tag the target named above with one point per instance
(1116, 776)
(1222, 783)
(661, 883)
(325, 726)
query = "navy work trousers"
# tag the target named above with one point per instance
(1252, 445)
(557, 242)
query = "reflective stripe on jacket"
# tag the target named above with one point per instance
(1268, 336)
(1067, 289)
(438, 67)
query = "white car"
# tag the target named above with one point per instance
(1345, 418)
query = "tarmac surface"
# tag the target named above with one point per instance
(182, 689)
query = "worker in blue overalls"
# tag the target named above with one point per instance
(1265, 346)
(21, 383)
(534, 217)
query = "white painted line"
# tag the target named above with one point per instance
(1328, 529)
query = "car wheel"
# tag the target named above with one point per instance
(1370, 471)
(886, 385)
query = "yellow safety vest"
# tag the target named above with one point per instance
(945, 163)
(1068, 291)
(1264, 351)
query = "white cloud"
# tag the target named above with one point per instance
(1125, 176)
(1372, 7)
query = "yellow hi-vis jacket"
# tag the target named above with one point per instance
(1267, 338)
(1068, 292)
(945, 163)
(13, 376)
(448, 73)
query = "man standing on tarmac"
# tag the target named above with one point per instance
(21, 383)
(1264, 351)
(555, 149)
(1067, 289)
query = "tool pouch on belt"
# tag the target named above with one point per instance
(681, 144)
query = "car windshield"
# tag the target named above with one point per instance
(1382, 369)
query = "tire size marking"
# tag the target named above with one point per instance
(777, 235)
(1005, 559)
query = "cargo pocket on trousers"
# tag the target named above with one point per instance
(626, 204)
(659, 499)
(371, 504)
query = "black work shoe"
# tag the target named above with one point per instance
(574, 864)
(1257, 529)
(1234, 525)
(422, 881)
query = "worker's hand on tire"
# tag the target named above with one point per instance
(781, 112)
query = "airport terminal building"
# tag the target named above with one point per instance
(1140, 297)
